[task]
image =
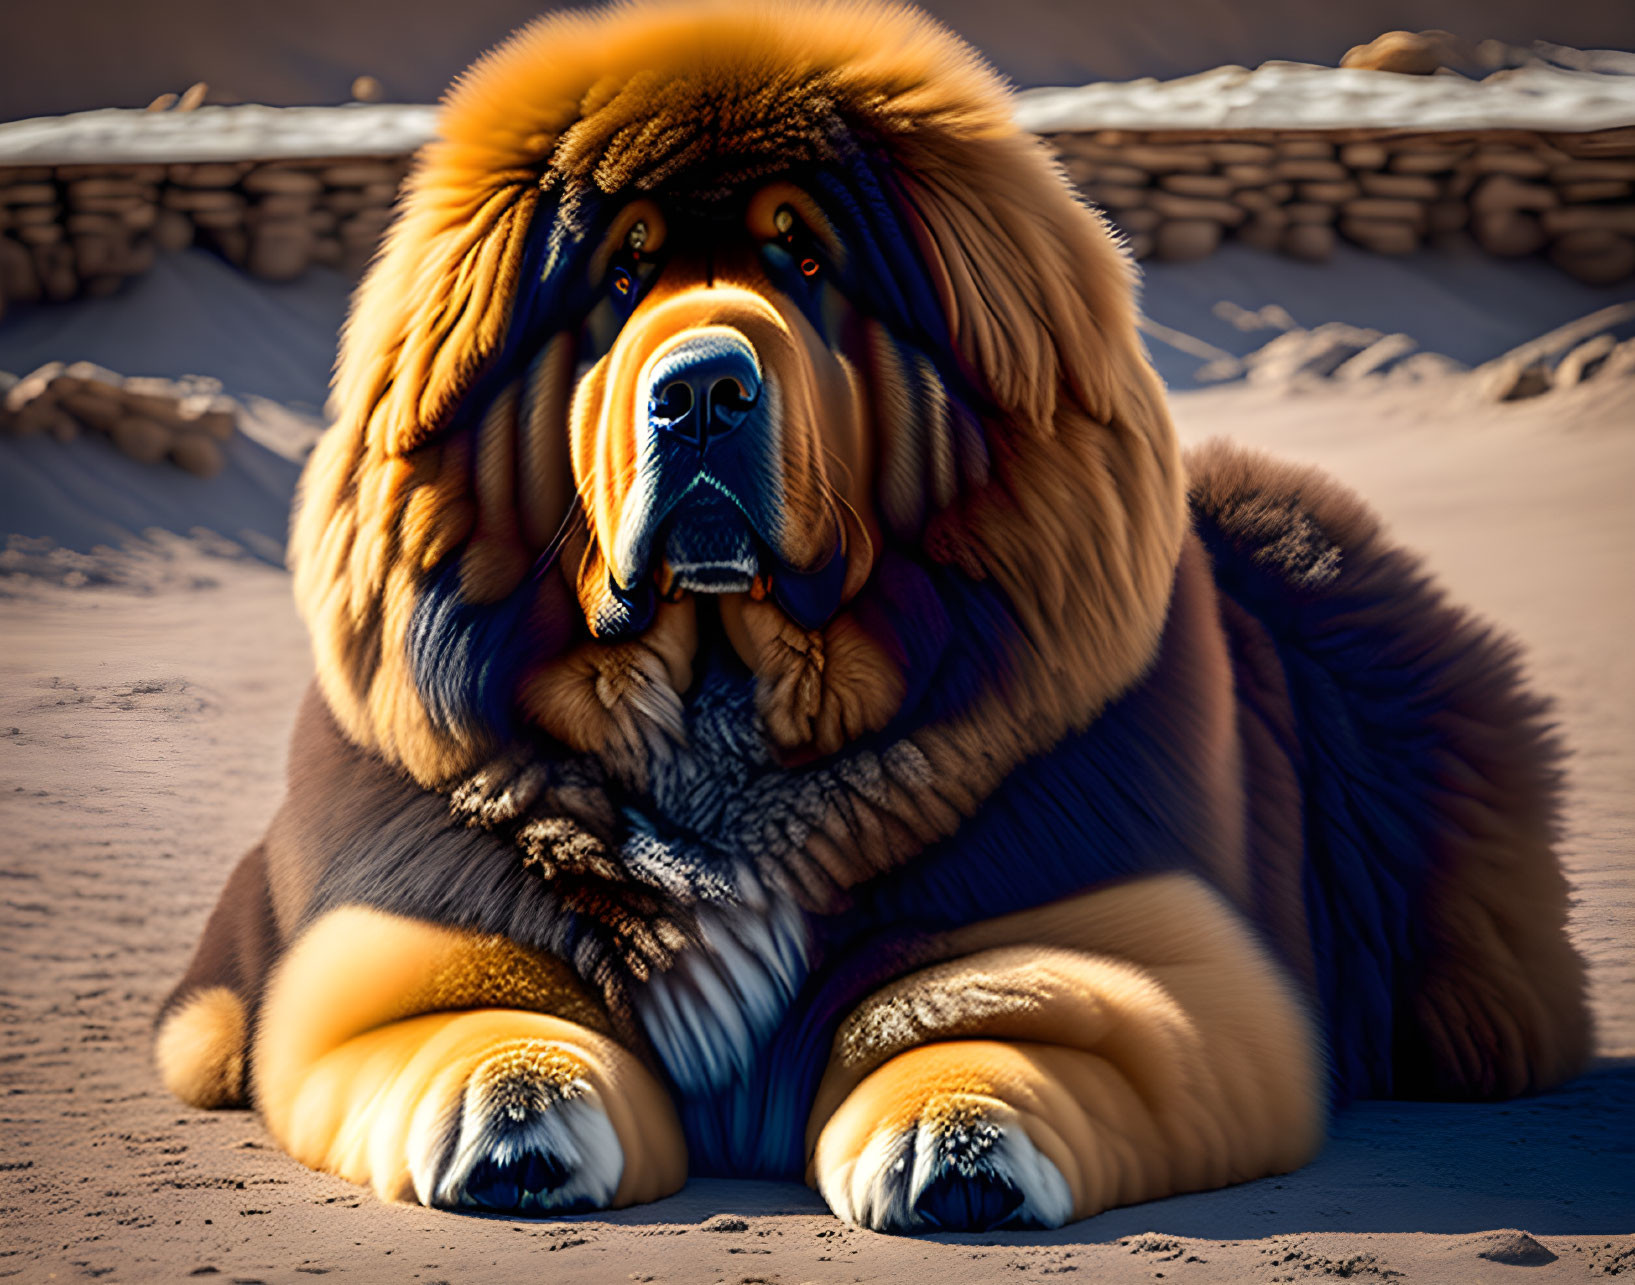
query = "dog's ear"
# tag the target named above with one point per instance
(1082, 521)
(1038, 296)
(435, 304)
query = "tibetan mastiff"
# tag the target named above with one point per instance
(786, 707)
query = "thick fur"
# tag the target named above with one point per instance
(978, 810)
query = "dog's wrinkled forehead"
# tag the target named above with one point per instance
(699, 132)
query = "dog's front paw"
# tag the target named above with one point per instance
(962, 1162)
(526, 1131)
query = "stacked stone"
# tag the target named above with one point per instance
(83, 229)
(183, 420)
(1178, 195)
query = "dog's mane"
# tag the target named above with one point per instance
(1043, 585)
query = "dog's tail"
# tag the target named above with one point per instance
(1429, 781)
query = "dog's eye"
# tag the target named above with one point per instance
(808, 267)
(623, 283)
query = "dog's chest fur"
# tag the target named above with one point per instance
(716, 815)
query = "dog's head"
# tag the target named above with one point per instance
(754, 323)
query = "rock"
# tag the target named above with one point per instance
(280, 251)
(172, 230)
(1504, 160)
(1405, 52)
(232, 243)
(1363, 156)
(208, 413)
(1309, 212)
(199, 200)
(366, 228)
(87, 376)
(366, 89)
(269, 179)
(1514, 380)
(1588, 170)
(1139, 244)
(139, 218)
(18, 280)
(35, 214)
(723, 1222)
(100, 285)
(1591, 218)
(146, 441)
(1509, 233)
(1242, 153)
(1313, 242)
(1310, 149)
(1410, 187)
(1122, 175)
(1205, 185)
(1604, 189)
(92, 409)
(1387, 209)
(29, 194)
(327, 251)
(1303, 170)
(1308, 353)
(151, 396)
(1248, 175)
(1596, 257)
(210, 174)
(1330, 193)
(1265, 230)
(1112, 197)
(1179, 240)
(54, 262)
(197, 454)
(1584, 361)
(363, 173)
(1382, 236)
(1166, 160)
(49, 418)
(1446, 216)
(1379, 355)
(1191, 208)
(1424, 365)
(97, 254)
(34, 386)
(216, 220)
(192, 97)
(281, 205)
(1425, 160)
(1139, 220)
(1251, 198)
(40, 234)
(1513, 1248)
(1502, 192)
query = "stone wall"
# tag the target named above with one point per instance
(1178, 195)
(75, 230)
(71, 230)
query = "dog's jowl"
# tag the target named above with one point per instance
(786, 706)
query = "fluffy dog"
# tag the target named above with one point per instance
(785, 706)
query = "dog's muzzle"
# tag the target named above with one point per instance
(706, 507)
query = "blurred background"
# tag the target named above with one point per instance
(77, 54)
(1423, 283)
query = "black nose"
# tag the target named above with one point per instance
(704, 387)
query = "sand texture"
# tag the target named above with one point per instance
(144, 705)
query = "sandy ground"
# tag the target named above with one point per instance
(141, 734)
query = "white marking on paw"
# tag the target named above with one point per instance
(881, 1188)
(502, 1119)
